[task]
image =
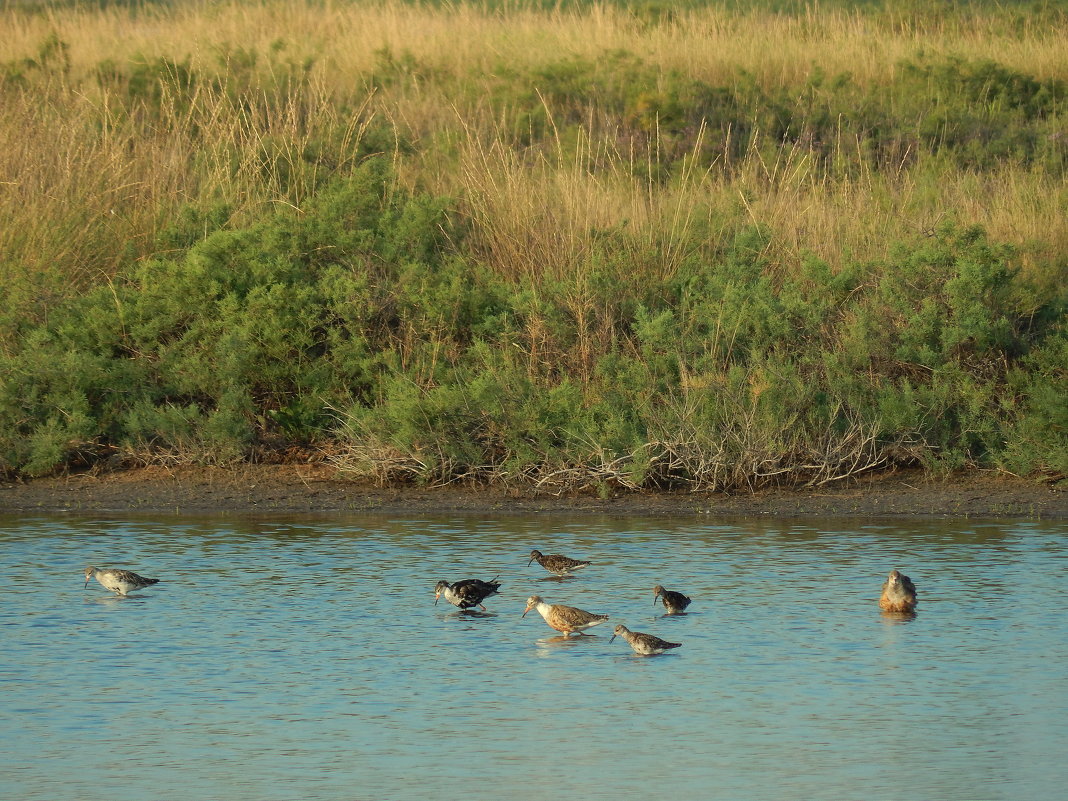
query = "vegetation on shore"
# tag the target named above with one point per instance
(586, 246)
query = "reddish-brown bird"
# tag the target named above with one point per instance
(899, 593)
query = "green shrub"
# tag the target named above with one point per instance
(209, 351)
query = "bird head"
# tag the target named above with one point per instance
(439, 589)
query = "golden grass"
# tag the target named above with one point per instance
(111, 188)
(706, 43)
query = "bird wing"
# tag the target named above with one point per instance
(129, 577)
(475, 589)
(656, 642)
(574, 616)
(561, 562)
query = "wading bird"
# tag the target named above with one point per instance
(674, 602)
(899, 593)
(644, 644)
(557, 563)
(567, 619)
(121, 582)
(467, 593)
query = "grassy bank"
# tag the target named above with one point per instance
(591, 246)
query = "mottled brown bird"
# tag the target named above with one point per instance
(557, 563)
(644, 644)
(567, 619)
(899, 593)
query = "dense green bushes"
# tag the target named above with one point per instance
(357, 325)
(973, 113)
(229, 257)
(248, 332)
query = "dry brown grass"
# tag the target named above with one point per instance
(110, 188)
(708, 43)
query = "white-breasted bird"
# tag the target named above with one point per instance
(121, 582)
(567, 619)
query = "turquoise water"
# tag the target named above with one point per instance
(298, 659)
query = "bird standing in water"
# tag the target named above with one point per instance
(899, 593)
(557, 564)
(567, 619)
(674, 602)
(121, 582)
(644, 644)
(466, 593)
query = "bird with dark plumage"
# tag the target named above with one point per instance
(899, 593)
(644, 644)
(466, 593)
(120, 582)
(674, 602)
(557, 564)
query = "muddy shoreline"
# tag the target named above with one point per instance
(318, 490)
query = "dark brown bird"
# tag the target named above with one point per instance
(674, 602)
(899, 593)
(467, 593)
(557, 563)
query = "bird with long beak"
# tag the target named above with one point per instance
(567, 619)
(644, 644)
(466, 593)
(556, 563)
(899, 593)
(120, 582)
(674, 602)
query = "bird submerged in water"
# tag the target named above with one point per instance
(899, 593)
(557, 563)
(644, 644)
(567, 619)
(674, 602)
(466, 593)
(120, 582)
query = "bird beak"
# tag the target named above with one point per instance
(86, 583)
(611, 638)
(526, 610)
(531, 559)
(436, 596)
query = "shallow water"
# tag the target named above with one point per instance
(285, 659)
